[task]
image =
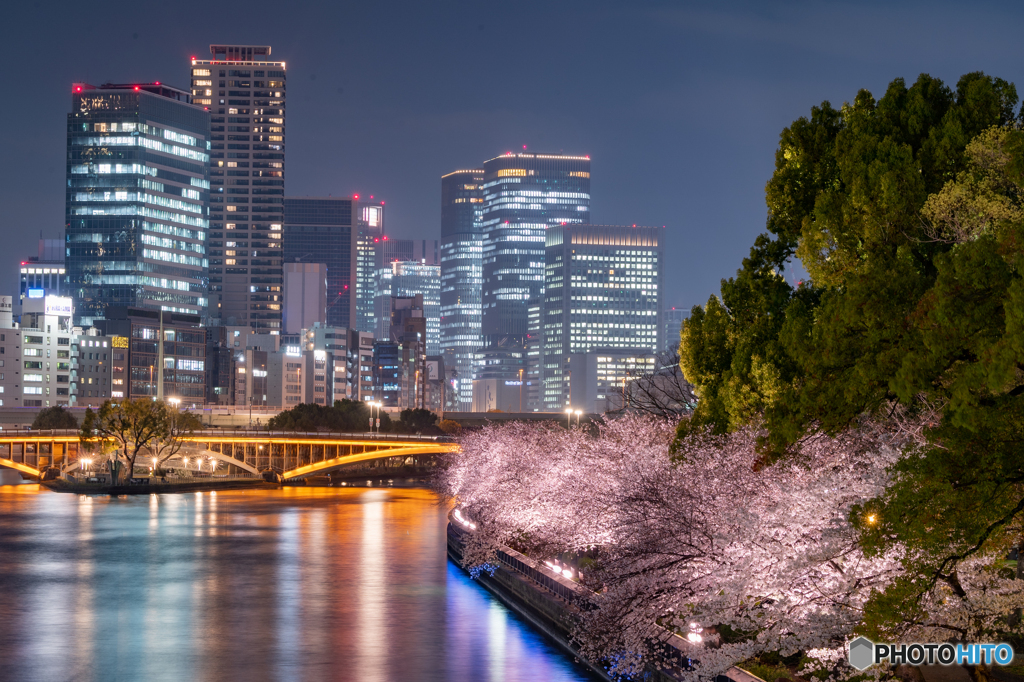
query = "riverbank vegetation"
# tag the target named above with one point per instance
(353, 416)
(855, 460)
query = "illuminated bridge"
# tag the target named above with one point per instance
(292, 455)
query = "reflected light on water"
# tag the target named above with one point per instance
(290, 584)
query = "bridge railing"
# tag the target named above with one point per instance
(250, 433)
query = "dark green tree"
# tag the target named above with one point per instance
(907, 214)
(417, 420)
(55, 418)
(344, 416)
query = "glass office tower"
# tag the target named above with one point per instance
(321, 230)
(409, 278)
(245, 93)
(461, 277)
(523, 195)
(391, 251)
(603, 290)
(137, 208)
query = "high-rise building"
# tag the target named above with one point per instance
(673, 327)
(321, 230)
(400, 362)
(461, 277)
(245, 93)
(137, 211)
(391, 251)
(43, 274)
(603, 290)
(524, 194)
(305, 296)
(411, 278)
(369, 257)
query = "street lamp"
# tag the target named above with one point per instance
(520, 391)
(578, 413)
(568, 419)
(175, 402)
(379, 405)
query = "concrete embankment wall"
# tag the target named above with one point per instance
(544, 610)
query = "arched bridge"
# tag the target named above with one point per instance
(289, 454)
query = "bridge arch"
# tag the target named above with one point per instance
(175, 462)
(403, 451)
(18, 466)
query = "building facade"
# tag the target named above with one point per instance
(305, 296)
(174, 368)
(321, 230)
(524, 194)
(602, 378)
(46, 335)
(137, 204)
(673, 328)
(603, 290)
(93, 376)
(369, 258)
(44, 273)
(10, 355)
(245, 93)
(425, 252)
(409, 278)
(461, 278)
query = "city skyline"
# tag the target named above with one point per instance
(678, 145)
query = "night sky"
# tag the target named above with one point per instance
(678, 104)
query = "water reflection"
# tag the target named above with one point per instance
(295, 584)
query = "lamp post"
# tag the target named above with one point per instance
(568, 418)
(578, 413)
(520, 391)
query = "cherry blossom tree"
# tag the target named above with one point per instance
(757, 556)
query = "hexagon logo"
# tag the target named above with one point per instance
(861, 653)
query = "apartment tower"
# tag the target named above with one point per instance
(245, 93)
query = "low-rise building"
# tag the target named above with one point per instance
(166, 353)
(46, 361)
(10, 355)
(93, 378)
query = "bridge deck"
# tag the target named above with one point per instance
(293, 455)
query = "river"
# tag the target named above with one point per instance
(289, 584)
